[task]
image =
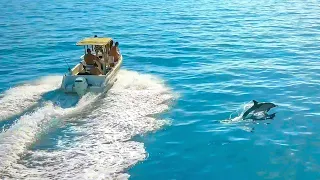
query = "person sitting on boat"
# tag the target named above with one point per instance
(114, 52)
(92, 60)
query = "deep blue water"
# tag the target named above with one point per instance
(190, 63)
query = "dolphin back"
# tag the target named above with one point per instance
(265, 107)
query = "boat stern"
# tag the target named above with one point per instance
(81, 84)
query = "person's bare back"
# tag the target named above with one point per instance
(115, 52)
(89, 58)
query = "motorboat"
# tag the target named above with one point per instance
(98, 77)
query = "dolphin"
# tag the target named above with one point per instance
(258, 107)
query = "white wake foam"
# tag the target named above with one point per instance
(103, 149)
(26, 130)
(20, 98)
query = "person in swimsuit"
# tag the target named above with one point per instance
(92, 60)
(115, 52)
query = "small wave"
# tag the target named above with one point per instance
(18, 99)
(103, 149)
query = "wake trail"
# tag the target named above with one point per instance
(104, 148)
(19, 99)
(28, 128)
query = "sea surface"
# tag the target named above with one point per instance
(190, 69)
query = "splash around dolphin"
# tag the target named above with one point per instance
(259, 107)
(251, 114)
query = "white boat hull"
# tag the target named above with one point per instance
(95, 83)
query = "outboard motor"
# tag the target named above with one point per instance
(80, 85)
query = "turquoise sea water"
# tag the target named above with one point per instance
(188, 66)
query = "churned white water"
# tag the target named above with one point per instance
(104, 125)
(20, 98)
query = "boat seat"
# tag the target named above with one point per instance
(89, 67)
(84, 73)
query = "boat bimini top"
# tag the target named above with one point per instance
(100, 46)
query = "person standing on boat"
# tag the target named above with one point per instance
(111, 58)
(111, 45)
(115, 52)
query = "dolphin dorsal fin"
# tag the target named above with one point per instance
(255, 102)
